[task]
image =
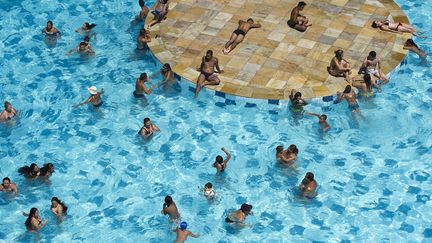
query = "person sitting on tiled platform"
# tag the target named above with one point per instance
(297, 21)
(339, 66)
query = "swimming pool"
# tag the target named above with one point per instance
(374, 176)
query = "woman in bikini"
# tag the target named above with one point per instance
(8, 113)
(58, 208)
(148, 129)
(339, 66)
(95, 97)
(34, 222)
(396, 27)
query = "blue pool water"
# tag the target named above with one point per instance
(374, 175)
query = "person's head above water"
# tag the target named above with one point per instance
(8, 106)
(293, 149)
(246, 208)
(34, 168)
(49, 25)
(339, 54)
(143, 77)
(250, 21)
(168, 201)
(219, 159)
(82, 45)
(297, 95)
(183, 225)
(141, 3)
(279, 149)
(410, 42)
(208, 186)
(323, 117)
(86, 38)
(301, 4)
(88, 26)
(166, 67)
(376, 24)
(147, 122)
(347, 89)
(309, 176)
(6, 182)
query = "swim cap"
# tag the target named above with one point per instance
(183, 225)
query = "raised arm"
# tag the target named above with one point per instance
(83, 103)
(312, 114)
(228, 156)
(72, 50)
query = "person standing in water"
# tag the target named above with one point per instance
(58, 208)
(308, 186)
(220, 164)
(8, 186)
(350, 96)
(238, 217)
(144, 11)
(207, 69)
(140, 87)
(324, 126)
(170, 208)
(148, 129)
(95, 97)
(34, 222)
(182, 233)
(8, 113)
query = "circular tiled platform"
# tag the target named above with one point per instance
(274, 59)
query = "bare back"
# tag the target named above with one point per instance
(294, 14)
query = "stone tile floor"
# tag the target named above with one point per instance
(274, 59)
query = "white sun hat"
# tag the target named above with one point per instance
(92, 90)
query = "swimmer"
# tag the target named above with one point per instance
(365, 86)
(168, 75)
(238, 217)
(95, 97)
(142, 39)
(30, 172)
(8, 186)
(160, 11)
(297, 21)
(339, 66)
(239, 34)
(34, 222)
(284, 157)
(291, 153)
(220, 164)
(86, 28)
(397, 27)
(140, 87)
(182, 233)
(50, 30)
(297, 101)
(207, 72)
(350, 96)
(412, 46)
(47, 170)
(373, 67)
(144, 11)
(324, 126)
(308, 186)
(83, 48)
(148, 129)
(58, 208)
(208, 191)
(8, 113)
(170, 208)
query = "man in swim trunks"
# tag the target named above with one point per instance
(308, 186)
(350, 96)
(297, 21)
(207, 69)
(7, 186)
(182, 233)
(239, 34)
(339, 66)
(144, 11)
(140, 87)
(238, 217)
(8, 113)
(160, 11)
(373, 68)
(324, 126)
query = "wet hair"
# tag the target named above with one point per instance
(279, 149)
(82, 43)
(28, 171)
(293, 148)
(30, 216)
(168, 201)
(46, 169)
(347, 89)
(367, 80)
(374, 24)
(301, 4)
(55, 199)
(146, 119)
(143, 76)
(324, 116)
(372, 54)
(246, 208)
(6, 103)
(6, 179)
(339, 53)
(86, 38)
(141, 3)
(297, 95)
(89, 26)
(309, 176)
(49, 22)
(209, 52)
(219, 159)
(411, 42)
(208, 185)
(142, 32)
(167, 66)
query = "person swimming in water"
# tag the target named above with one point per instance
(86, 29)
(182, 233)
(34, 222)
(8, 113)
(220, 164)
(238, 217)
(324, 126)
(339, 66)
(8, 186)
(140, 87)
(160, 11)
(297, 101)
(30, 172)
(207, 72)
(286, 156)
(208, 191)
(148, 129)
(297, 21)
(50, 30)
(397, 27)
(308, 186)
(142, 39)
(412, 46)
(350, 96)
(95, 97)
(47, 170)
(239, 34)
(58, 208)
(83, 48)
(170, 208)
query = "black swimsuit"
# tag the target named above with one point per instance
(239, 32)
(291, 23)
